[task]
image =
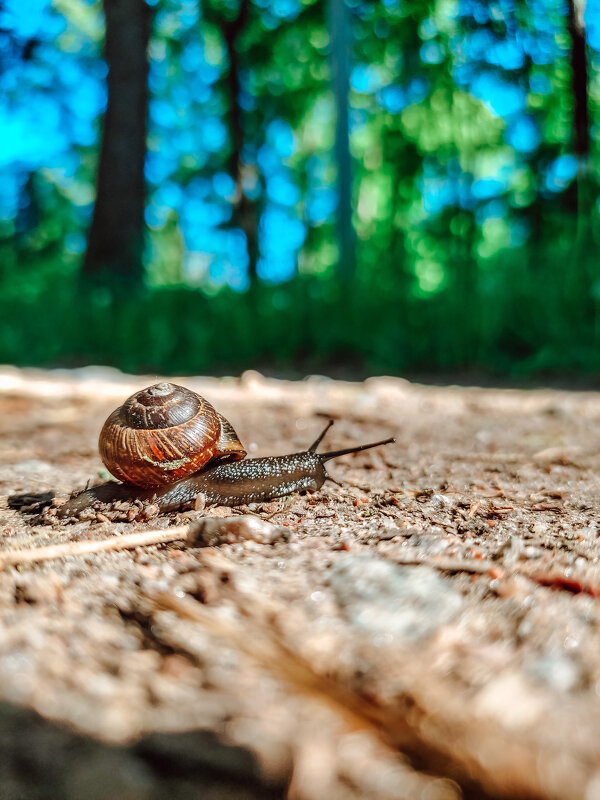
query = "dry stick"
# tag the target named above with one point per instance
(204, 532)
(481, 567)
(550, 577)
(127, 541)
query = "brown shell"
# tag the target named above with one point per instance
(164, 433)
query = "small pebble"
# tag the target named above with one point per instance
(213, 531)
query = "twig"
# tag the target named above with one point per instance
(287, 503)
(127, 541)
(577, 583)
(207, 532)
(480, 567)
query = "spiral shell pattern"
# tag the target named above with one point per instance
(164, 433)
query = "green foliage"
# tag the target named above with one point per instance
(507, 282)
(505, 314)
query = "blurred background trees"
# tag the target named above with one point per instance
(308, 184)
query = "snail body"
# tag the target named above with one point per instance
(171, 465)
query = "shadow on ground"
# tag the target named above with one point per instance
(41, 760)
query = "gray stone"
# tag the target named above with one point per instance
(410, 602)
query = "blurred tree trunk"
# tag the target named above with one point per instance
(340, 66)
(115, 241)
(579, 79)
(245, 210)
(579, 280)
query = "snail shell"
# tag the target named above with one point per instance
(164, 433)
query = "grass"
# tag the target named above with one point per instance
(526, 312)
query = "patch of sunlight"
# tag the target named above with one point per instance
(166, 253)
(445, 13)
(167, 24)
(83, 19)
(366, 146)
(496, 237)
(374, 197)
(522, 179)
(197, 268)
(214, 51)
(80, 193)
(451, 118)
(423, 246)
(319, 261)
(558, 128)
(319, 38)
(431, 275)
(158, 49)
(492, 162)
(318, 130)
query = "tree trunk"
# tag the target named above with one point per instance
(340, 67)
(579, 79)
(579, 279)
(245, 210)
(115, 242)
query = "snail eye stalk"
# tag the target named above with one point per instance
(335, 453)
(320, 438)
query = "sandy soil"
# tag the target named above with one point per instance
(430, 629)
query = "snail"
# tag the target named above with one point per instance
(169, 446)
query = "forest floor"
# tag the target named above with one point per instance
(430, 629)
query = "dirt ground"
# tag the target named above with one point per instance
(430, 629)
